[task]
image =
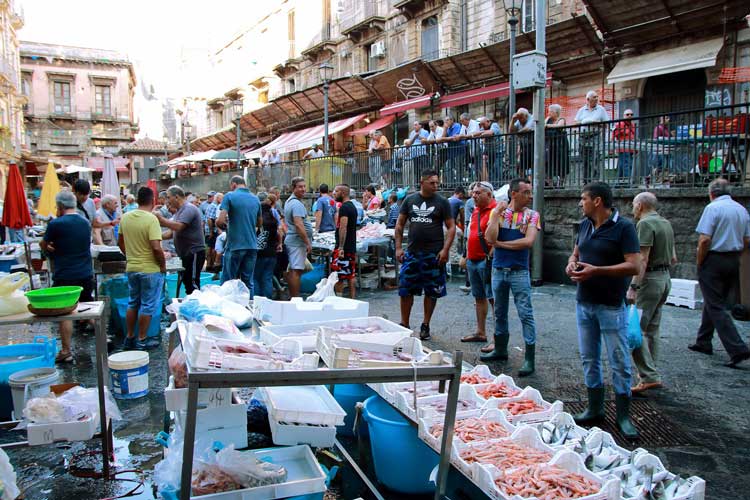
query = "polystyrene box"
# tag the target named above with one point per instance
(227, 424)
(686, 289)
(296, 310)
(80, 430)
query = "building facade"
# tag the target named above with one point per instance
(11, 95)
(80, 102)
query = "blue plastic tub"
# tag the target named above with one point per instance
(347, 396)
(17, 357)
(172, 284)
(121, 309)
(394, 442)
(312, 278)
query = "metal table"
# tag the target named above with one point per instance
(323, 376)
(85, 311)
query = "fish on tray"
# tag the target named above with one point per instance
(505, 454)
(645, 483)
(545, 482)
(473, 429)
(556, 434)
(604, 457)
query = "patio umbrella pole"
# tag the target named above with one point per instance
(29, 266)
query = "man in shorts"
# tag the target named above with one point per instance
(298, 240)
(423, 263)
(345, 254)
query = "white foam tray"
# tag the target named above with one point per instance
(176, 399)
(550, 409)
(697, 490)
(481, 370)
(337, 352)
(680, 301)
(311, 404)
(500, 379)
(576, 434)
(319, 436)
(426, 423)
(227, 424)
(296, 310)
(465, 392)
(80, 430)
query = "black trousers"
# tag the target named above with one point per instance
(192, 265)
(718, 276)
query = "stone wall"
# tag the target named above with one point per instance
(682, 207)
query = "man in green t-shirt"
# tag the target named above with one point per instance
(140, 241)
(650, 288)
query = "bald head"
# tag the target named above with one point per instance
(646, 199)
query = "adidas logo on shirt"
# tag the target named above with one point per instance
(423, 213)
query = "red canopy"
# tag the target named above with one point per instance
(377, 124)
(15, 210)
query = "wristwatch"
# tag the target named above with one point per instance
(635, 286)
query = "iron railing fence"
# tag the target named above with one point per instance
(679, 149)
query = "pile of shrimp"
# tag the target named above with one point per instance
(473, 429)
(498, 391)
(473, 378)
(521, 407)
(545, 482)
(505, 454)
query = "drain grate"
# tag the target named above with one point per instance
(656, 429)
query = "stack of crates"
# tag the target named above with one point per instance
(685, 293)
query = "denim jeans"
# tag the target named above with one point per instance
(263, 276)
(597, 321)
(624, 165)
(518, 282)
(240, 264)
(480, 288)
(144, 292)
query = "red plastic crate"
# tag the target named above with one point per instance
(737, 124)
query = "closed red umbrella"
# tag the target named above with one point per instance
(15, 210)
(152, 185)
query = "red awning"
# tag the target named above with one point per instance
(479, 94)
(303, 139)
(403, 106)
(376, 125)
(97, 163)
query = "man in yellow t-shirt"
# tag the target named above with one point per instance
(140, 241)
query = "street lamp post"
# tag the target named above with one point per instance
(326, 73)
(237, 108)
(512, 10)
(188, 132)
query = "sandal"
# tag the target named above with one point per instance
(488, 348)
(474, 338)
(64, 357)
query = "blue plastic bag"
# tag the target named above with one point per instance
(635, 338)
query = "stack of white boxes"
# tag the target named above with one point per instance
(685, 293)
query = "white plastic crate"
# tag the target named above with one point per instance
(80, 430)
(227, 424)
(296, 310)
(465, 393)
(319, 436)
(304, 476)
(501, 379)
(575, 434)
(686, 289)
(683, 302)
(425, 424)
(696, 489)
(306, 333)
(550, 409)
(479, 370)
(523, 436)
(610, 489)
(176, 399)
(311, 404)
(598, 439)
(340, 353)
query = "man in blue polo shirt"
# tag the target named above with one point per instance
(242, 208)
(605, 257)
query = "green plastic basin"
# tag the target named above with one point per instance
(54, 297)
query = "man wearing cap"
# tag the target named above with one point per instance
(479, 257)
(315, 152)
(512, 230)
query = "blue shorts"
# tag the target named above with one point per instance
(145, 292)
(421, 271)
(481, 286)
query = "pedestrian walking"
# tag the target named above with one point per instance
(187, 231)
(140, 240)
(269, 244)
(512, 230)
(423, 263)
(479, 258)
(605, 257)
(344, 260)
(724, 232)
(298, 239)
(240, 212)
(650, 288)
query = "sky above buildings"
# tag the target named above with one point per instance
(168, 41)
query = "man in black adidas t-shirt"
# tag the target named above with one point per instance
(423, 263)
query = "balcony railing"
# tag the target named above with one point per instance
(361, 13)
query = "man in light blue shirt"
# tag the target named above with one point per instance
(418, 150)
(242, 209)
(724, 232)
(492, 148)
(324, 211)
(298, 240)
(591, 141)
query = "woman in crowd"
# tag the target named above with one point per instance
(269, 244)
(557, 159)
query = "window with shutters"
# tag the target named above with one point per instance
(430, 50)
(103, 100)
(527, 16)
(62, 98)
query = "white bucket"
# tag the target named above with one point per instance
(128, 373)
(31, 383)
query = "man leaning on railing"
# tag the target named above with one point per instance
(591, 138)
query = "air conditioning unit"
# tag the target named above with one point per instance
(377, 49)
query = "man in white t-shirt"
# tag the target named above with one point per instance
(591, 141)
(315, 152)
(522, 122)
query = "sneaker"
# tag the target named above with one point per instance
(147, 344)
(64, 357)
(465, 289)
(128, 344)
(424, 332)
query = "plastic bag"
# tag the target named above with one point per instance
(178, 367)
(234, 290)
(503, 194)
(247, 470)
(324, 288)
(44, 410)
(194, 310)
(12, 300)
(71, 405)
(8, 488)
(635, 338)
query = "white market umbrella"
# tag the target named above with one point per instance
(74, 169)
(110, 182)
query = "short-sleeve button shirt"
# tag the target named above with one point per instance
(726, 222)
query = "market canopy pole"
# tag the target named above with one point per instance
(539, 163)
(47, 205)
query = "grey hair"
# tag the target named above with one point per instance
(719, 187)
(482, 118)
(591, 93)
(523, 111)
(352, 193)
(237, 179)
(108, 198)
(646, 199)
(129, 198)
(377, 132)
(449, 117)
(262, 196)
(66, 200)
(465, 116)
(297, 180)
(176, 191)
(555, 108)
